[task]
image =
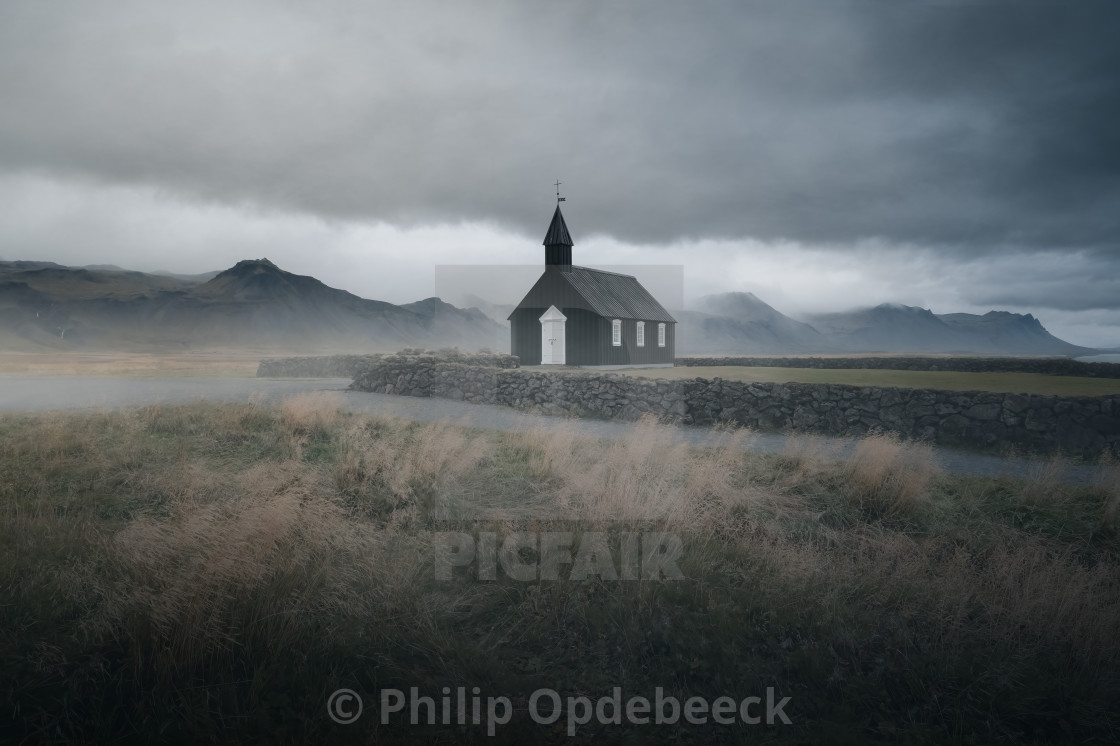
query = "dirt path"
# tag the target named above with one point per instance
(31, 394)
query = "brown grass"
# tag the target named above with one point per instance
(1043, 484)
(648, 476)
(189, 540)
(199, 364)
(1025, 594)
(552, 451)
(405, 471)
(1107, 486)
(808, 456)
(887, 475)
(218, 549)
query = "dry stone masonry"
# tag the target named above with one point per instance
(1084, 426)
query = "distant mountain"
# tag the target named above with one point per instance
(257, 305)
(897, 328)
(737, 323)
(889, 327)
(253, 304)
(499, 312)
(72, 283)
(742, 324)
(191, 279)
(28, 265)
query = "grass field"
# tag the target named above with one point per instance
(201, 364)
(211, 573)
(1016, 383)
(234, 364)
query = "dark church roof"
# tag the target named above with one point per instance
(557, 231)
(616, 296)
(608, 294)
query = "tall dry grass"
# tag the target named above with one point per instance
(1026, 594)
(808, 456)
(649, 476)
(1024, 587)
(1043, 485)
(1106, 483)
(278, 559)
(555, 451)
(886, 475)
(405, 472)
(308, 416)
(311, 411)
(184, 545)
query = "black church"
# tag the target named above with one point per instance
(588, 317)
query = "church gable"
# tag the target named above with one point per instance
(552, 289)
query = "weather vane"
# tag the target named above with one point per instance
(559, 199)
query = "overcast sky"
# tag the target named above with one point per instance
(961, 156)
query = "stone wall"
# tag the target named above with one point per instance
(1055, 366)
(605, 395)
(1085, 426)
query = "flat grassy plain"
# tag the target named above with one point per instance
(201, 364)
(212, 573)
(1013, 383)
(222, 363)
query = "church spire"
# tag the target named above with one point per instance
(558, 242)
(557, 231)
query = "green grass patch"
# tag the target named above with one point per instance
(1013, 383)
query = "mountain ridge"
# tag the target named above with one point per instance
(892, 327)
(254, 303)
(44, 305)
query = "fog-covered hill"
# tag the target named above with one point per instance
(253, 304)
(741, 322)
(897, 328)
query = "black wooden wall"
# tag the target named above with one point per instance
(588, 339)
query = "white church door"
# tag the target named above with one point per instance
(552, 337)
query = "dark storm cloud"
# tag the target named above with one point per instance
(977, 127)
(1063, 282)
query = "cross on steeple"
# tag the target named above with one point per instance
(559, 199)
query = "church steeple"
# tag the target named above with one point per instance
(558, 242)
